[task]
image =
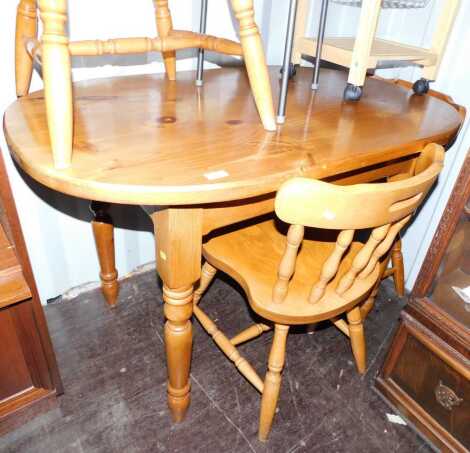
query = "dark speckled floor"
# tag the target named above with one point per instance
(112, 365)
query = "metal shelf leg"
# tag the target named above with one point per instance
(200, 55)
(320, 39)
(281, 111)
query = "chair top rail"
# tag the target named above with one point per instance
(314, 203)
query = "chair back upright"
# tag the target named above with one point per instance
(384, 208)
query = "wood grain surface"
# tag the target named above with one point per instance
(147, 140)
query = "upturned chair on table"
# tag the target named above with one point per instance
(56, 51)
(320, 270)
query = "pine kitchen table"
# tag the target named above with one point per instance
(200, 158)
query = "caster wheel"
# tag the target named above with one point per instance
(352, 92)
(421, 86)
(292, 70)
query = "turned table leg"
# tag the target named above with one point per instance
(178, 345)
(178, 236)
(103, 231)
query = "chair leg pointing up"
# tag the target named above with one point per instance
(164, 27)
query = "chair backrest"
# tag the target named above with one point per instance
(383, 207)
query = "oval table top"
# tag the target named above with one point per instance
(146, 140)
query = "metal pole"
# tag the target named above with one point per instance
(281, 111)
(320, 39)
(200, 55)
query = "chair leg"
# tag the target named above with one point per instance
(358, 341)
(399, 270)
(255, 62)
(368, 305)
(164, 27)
(103, 231)
(272, 382)
(57, 75)
(207, 275)
(26, 27)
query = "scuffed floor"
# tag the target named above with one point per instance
(113, 369)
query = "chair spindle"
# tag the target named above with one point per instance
(286, 269)
(384, 246)
(248, 334)
(362, 258)
(341, 325)
(229, 349)
(331, 265)
(368, 304)
(207, 275)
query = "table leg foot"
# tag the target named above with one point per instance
(178, 405)
(178, 343)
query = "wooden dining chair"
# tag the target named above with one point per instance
(55, 52)
(320, 270)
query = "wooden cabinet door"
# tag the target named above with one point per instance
(24, 375)
(29, 377)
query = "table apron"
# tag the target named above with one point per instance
(219, 215)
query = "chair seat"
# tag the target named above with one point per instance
(251, 256)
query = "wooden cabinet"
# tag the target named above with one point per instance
(29, 378)
(426, 375)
